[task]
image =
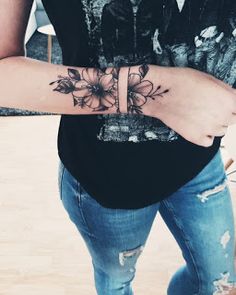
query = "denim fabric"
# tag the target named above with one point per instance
(199, 215)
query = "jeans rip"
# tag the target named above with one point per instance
(220, 187)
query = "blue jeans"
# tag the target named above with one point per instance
(199, 215)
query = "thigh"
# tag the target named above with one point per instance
(114, 237)
(200, 216)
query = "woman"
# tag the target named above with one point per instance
(134, 139)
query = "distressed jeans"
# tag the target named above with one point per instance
(199, 215)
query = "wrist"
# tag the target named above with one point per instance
(161, 79)
(122, 90)
(142, 90)
(146, 90)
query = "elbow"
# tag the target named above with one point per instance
(4, 54)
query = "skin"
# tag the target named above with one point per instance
(194, 104)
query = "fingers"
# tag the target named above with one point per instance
(225, 85)
(234, 90)
(207, 140)
(221, 131)
(234, 101)
(232, 119)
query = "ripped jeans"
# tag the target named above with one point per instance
(199, 215)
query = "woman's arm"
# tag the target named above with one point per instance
(194, 104)
(14, 15)
(27, 84)
(34, 85)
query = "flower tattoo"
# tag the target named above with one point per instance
(140, 90)
(94, 88)
(97, 89)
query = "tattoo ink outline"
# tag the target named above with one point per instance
(92, 87)
(140, 90)
(99, 91)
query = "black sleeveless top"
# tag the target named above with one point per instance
(132, 161)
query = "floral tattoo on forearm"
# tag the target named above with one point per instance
(93, 88)
(97, 89)
(140, 91)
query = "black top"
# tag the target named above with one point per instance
(230, 20)
(211, 12)
(132, 161)
(178, 26)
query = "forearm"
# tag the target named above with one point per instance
(147, 87)
(34, 85)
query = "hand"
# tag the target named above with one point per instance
(197, 105)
